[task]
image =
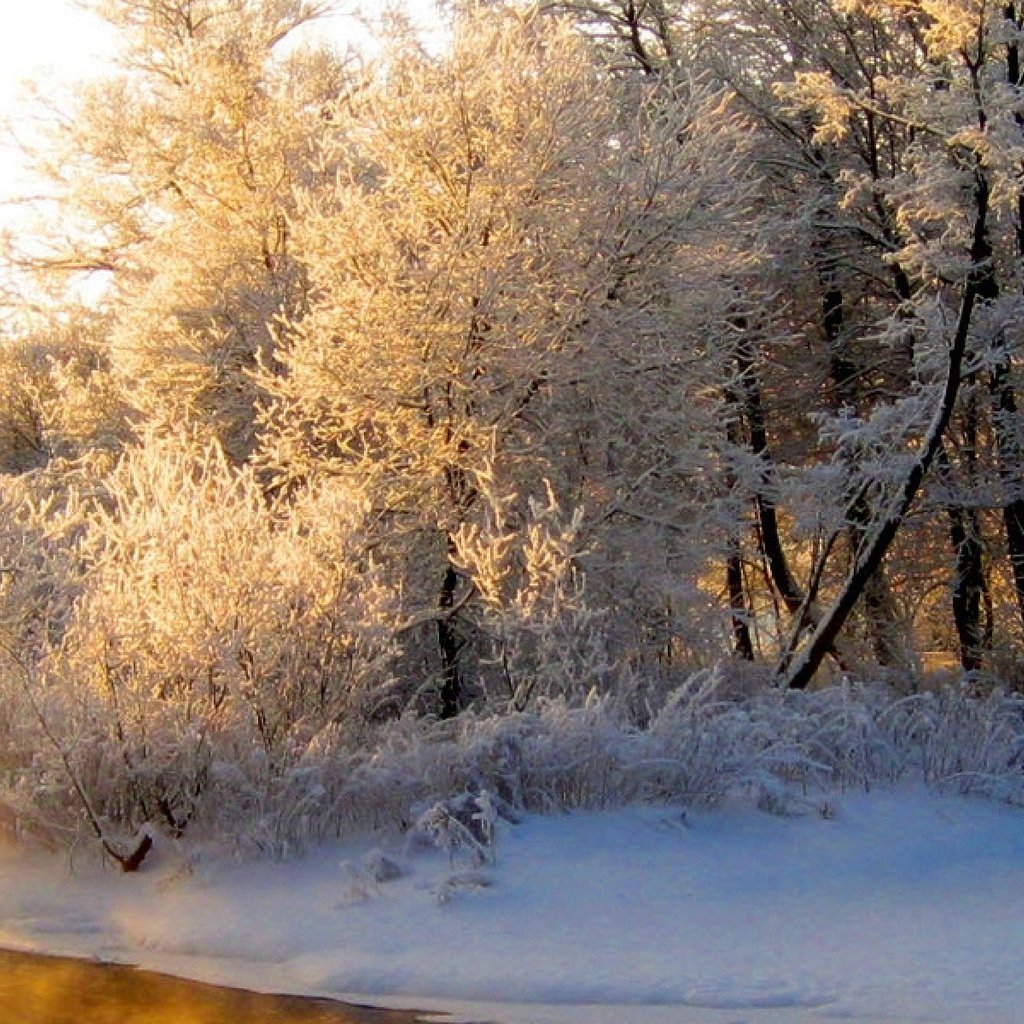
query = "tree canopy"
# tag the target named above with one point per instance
(606, 343)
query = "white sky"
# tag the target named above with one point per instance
(53, 43)
(43, 37)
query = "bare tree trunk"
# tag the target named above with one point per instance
(740, 612)
(767, 516)
(969, 591)
(449, 647)
(969, 586)
(1011, 467)
(462, 494)
(738, 607)
(1001, 387)
(800, 606)
(878, 543)
(1009, 454)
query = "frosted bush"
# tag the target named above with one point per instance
(785, 752)
(966, 744)
(442, 826)
(545, 639)
(180, 652)
(182, 644)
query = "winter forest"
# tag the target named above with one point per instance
(596, 401)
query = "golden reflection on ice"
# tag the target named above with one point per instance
(45, 990)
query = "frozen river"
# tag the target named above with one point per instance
(53, 990)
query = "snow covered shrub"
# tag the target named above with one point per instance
(23, 376)
(57, 398)
(462, 827)
(782, 751)
(545, 638)
(965, 743)
(177, 650)
(42, 523)
(213, 638)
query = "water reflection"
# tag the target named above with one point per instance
(51, 990)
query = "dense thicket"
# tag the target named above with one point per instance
(605, 343)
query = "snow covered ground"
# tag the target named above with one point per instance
(890, 906)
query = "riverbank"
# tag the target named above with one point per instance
(904, 906)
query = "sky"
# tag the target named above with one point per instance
(52, 42)
(47, 38)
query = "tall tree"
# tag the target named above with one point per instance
(515, 275)
(948, 208)
(855, 168)
(176, 177)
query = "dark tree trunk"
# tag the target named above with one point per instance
(889, 522)
(798, 604)
(969, 592)
(968, 586)
(1004, 398)
(738, 608)
(1010, 457)
(449, 646)
(767, 516)
(1011, 470)
(742, 643)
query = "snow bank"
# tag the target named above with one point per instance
(898, 905)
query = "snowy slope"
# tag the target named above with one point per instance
(901, 906)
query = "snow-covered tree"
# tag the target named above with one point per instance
(524, 271)
(886, 131)
(174, 179)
